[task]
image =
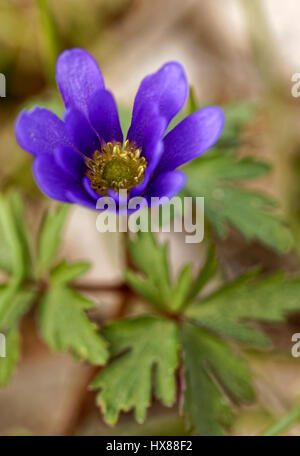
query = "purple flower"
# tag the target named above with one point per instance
(83, 158)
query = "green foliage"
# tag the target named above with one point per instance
(152, 260)
(210, 367)
(145, 344)
(155, 284)
(237, 114)
(215, 176)
(212, 376)
(64, 324)
(50, 236)
(231, 310)
(62, 311)
(14, 245)
(15, 301)
(65, 272)
(49, 39)
(184, 350)
(8, 363)
(204, 275)
(250, 212)
(16, 297)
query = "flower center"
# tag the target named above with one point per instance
(116, 167)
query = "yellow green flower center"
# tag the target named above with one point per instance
(116, 167)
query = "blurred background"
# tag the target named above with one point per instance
(233, 50)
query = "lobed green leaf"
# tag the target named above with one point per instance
(142, 344)
(64, 325)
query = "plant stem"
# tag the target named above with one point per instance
(283, 423)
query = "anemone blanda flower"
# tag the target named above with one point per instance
(83, 157)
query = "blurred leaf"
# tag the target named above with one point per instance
(14, 242)
(205, 274)
(6, 263)
(283, 423)
(211, 371)
(64, 325)
(230, 310)
(152, 260)
(50, 236)
(48, 38)
(237, 114)
(14, 303)
(8, 364)
(65, 272)
(212, 176)
(144, 343)
(250, 212)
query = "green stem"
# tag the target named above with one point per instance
(283, 423)
(50, 39)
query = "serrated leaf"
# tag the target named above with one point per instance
(14, 303)
(50, 236)
(250, 212)
(67, 272)
(152, 260)
(231, 310)
(9, 362)
(211, 370)
(143, 343)
(64, 325)
(15, 258)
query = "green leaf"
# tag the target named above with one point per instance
(250, 212)
(205, 274)
(144, 344)
(50, 236)
(48, 39)
(14, 303)
(231, 310)
(9, 362)
(64, 325)
(211, 372)
(151, 259)
(238, 115)
(14, 244)
(65, 272)
(182, 287)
